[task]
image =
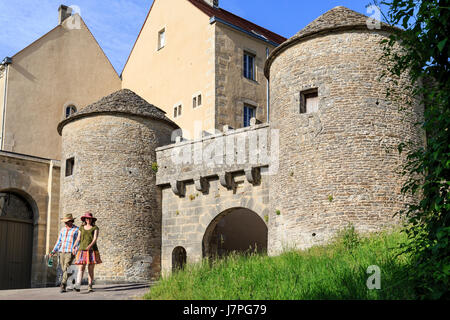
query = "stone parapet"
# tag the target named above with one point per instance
(221, 155)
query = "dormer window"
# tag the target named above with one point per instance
(70, 110)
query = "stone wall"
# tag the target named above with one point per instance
(113, 179)
(186, 219)
(339, 165)
(37, 181)
(233, 90)
(201, 182)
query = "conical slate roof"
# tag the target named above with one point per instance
(123, 101)
(337, 19)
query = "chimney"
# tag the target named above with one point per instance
(213, 3)
(64, 13)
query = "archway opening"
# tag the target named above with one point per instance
(16, 241)
(237, 230)
(179, 258)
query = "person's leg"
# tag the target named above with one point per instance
(91, 276)
(65, 263)
(72, 274)
(80, 276)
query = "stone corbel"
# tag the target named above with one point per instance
(253, 175)
(178, 188)
(226, 180)
(201, 184)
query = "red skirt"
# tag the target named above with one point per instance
(87, 257)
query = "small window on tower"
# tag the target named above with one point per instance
(309, 101)
(194, 102)
(199, 100)
(70, 163)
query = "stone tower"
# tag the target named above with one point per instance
(108, 169)
(338, 132)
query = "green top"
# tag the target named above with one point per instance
(86, 238)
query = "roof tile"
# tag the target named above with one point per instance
(237, 21)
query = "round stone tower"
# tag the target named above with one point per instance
(109, 169)
(338, 157)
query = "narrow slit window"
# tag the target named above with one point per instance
(70, 164)
(194, 102)
(161, 38)
(199, 100)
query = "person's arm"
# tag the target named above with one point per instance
(57, 245)
(93, 240)
(77, 241)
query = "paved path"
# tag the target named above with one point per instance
(101, 292)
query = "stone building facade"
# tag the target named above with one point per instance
(339, 163)
(213, 182)
(199, 48)
(201, 59)
(327, 158)
(109, 149)
(34, 182)
(59, 73)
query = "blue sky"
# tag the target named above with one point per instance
(116, 23)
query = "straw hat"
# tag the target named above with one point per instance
(67, 218)
(88, 215)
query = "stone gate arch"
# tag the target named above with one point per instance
(237, 229)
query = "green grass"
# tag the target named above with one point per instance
(335, 271)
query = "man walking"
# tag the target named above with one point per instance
(65, 247)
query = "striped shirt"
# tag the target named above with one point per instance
(66, 240)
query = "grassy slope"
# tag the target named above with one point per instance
(335, 271)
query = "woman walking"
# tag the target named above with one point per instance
(88, 251)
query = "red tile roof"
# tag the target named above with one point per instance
(237, 21)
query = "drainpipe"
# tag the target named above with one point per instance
(268, 88)
(6, 62)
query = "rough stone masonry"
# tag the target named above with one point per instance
(316, 170)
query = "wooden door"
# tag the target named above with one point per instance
(16, 242)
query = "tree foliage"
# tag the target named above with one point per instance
(425, 56)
